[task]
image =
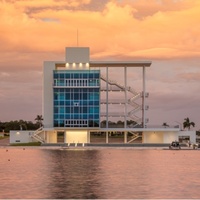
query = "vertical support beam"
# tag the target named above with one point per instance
(65, 137)
(125, 105)
(106, 97)
(125, 136)
(106, 137)
(88, 136)
(144, 98)
(47, 136)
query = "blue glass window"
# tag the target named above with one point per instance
(76, 98)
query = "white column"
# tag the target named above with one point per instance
(106, 97)
(125, 105)
(88, 137)
(106, 137)
(65, 137)
(47, 136)
(144, 98)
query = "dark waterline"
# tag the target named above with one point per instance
(98, 174)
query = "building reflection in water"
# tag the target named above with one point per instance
(74, 174)
(33, 173)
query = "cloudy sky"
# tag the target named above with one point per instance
(167, 32)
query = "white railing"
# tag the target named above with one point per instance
(113, 114)
(114, 101)
(132, 112)
(136, 119)
(163, 127)
(134, 137)
(36, 136)
(131, 101)
(111, 82)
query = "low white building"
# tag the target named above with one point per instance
(161, 136)
(21, 137)
(166, 135)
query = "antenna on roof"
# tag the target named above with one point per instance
(77, 37)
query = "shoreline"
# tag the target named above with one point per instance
(63, 148)
(4, 143)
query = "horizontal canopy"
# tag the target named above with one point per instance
(112, 64)
(120, 63)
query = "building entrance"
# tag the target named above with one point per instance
(60, 137)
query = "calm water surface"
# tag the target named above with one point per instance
(99, 173)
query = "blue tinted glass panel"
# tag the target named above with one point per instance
(55, 109)
(62, 76)
(67, 116)
(96, 110)
(96, 103)
(61, 110)
(56, 103)
(62, 103)
(96, 75)
(55, 116)
(91, 103)
(91, 109)
(62, 116)
(74, 102)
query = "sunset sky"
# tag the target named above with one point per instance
(167, 32)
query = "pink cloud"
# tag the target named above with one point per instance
(189, 76)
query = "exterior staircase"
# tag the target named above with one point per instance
(134, 137)
(36, 135)
(131, 101)
(111, 82)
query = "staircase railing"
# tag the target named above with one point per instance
(134, 137)
(132, 112)
(111, 82)
(36, 136)
(131, 101)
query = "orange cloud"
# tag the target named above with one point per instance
(48, 3)
(169, 30)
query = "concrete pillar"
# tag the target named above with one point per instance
(125, 136)
(88, 137)
(125, 105)
(106, 97)
(143, 99)
(106, 137)
(65, 137)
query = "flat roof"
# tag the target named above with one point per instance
(144, 130)
(120, 63)
(112, 64)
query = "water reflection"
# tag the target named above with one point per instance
(74, 174)
(98, 174)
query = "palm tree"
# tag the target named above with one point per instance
(187, 123)
(39, 120)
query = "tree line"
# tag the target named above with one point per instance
(21, 125)
(29, 125)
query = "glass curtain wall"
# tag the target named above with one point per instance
(76, 98)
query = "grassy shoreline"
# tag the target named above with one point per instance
(27, 144)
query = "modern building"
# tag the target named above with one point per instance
(81, 99)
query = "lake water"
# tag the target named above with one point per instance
(105, 173)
